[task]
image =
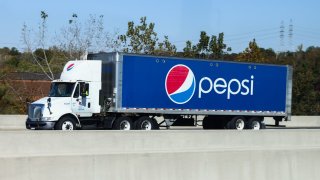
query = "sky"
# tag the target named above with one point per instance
(240, 20)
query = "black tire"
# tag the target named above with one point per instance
(122, 123)
(254, 123)
(66, 123)
(146, 123)
(207, 123)
(213, 122)
(237, 122)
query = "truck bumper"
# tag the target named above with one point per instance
(40, 125)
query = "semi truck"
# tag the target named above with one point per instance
(123, 91)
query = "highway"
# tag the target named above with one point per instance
(285, 153)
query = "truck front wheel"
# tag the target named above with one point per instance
(66, 124)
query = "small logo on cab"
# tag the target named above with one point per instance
(70, 67)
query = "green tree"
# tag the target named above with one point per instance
(4, 51)
(306, 83)
(166, 48)
(202, 46)
(207, 47)
(252, 53)
(217, 46)
(190, 50)
(14, 52)
(3, 102)
(140, 38)
(306, 96)
(269, 55)
(40, 55)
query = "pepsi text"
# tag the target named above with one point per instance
(221, 86)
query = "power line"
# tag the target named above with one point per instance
(253, 32)
(253, 36)
(309, 36)
(239, 35)
(309, 29)
(9, 43)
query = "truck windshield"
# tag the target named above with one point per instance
(61, 89)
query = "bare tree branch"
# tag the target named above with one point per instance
(41, 42)
(14, 91)
(78, 39)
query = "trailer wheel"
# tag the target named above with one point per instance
(66, 123)
(238, 122)
(207, 123)
(122, 123)
(214, 122)
(254, 123)
(146, 123)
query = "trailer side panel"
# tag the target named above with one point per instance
(160, 83)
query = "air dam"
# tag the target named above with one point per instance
(166, 155)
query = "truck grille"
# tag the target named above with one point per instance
(35, 112)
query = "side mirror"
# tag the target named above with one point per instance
(49, 105)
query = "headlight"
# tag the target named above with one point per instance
(46, 118)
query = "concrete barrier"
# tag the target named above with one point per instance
(298, 121)
(8, 122)
(140, 155)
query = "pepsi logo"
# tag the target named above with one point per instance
(180, 84)
(70, 67)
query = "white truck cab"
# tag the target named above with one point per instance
(74, 95)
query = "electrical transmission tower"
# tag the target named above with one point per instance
(282, 34)
(290, 34)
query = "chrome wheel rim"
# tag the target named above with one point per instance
(255, 125)
(146, 125)
(67, 126)
(125, 125)
(240, 124)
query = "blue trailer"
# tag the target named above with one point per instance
(227, 94)
(129, 91)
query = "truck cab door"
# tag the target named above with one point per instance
(81, 100)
